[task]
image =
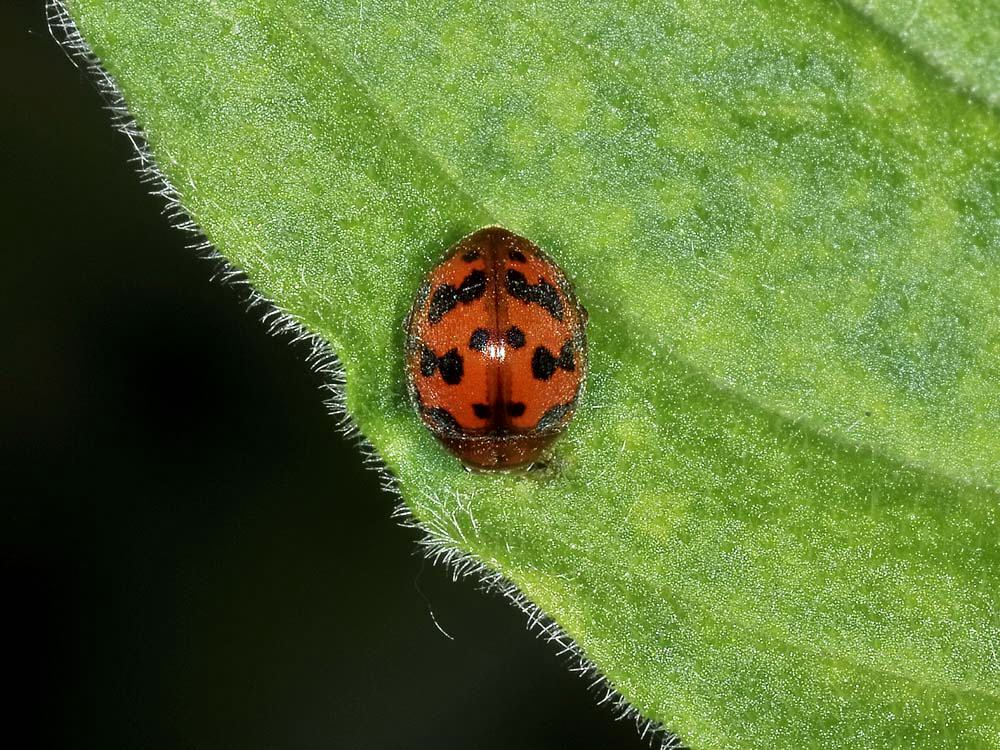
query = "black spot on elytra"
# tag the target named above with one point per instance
(565, 361)
(443, 420)
(450, 366)
(542, 293)
(483, 411)
(515, 408)
(479, 339)
(446, 296)
(472, 287)
(518, 256)
(428, 362)
(515, 337)
(544, 363)
(471, 256)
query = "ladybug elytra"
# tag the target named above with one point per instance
(496, 352)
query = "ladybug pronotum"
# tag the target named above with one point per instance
(496, 352)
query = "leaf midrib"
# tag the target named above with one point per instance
(933, 71)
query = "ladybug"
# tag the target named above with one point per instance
(496, 351)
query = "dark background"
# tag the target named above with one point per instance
(191, 555)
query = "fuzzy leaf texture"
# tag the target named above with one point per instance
(774, 520)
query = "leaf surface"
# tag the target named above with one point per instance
(773, 521)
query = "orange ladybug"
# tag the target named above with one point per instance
(496, 350)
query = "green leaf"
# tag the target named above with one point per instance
(774, 520)
(960, 40)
